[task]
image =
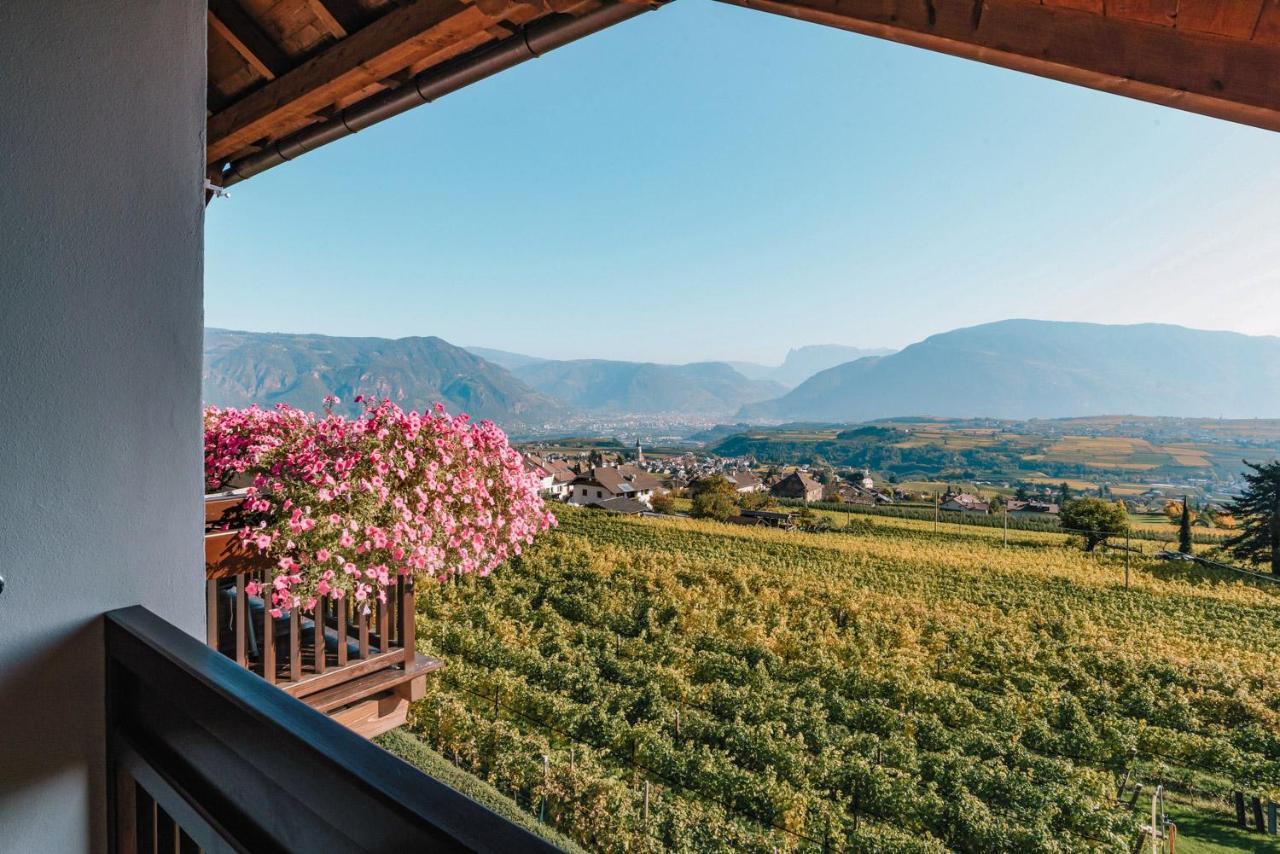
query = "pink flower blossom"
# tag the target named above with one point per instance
(421, 492)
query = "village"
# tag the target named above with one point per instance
(631, 482)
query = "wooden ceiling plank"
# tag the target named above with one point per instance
(462, 46)
(360, 60)
(1083, 5)
(1233, 18)
(348, 14)
(327, 20)
(243, 34)
(1162, 12)
(1267, 30)
(1226, 78)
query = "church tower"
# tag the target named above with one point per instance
(639, 452)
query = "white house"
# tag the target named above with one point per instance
(604, 482)
(554, 476)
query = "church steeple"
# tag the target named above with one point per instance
(639, 452)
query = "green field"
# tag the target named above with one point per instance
(887, 690)
(1124, 453)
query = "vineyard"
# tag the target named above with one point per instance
(667, 684)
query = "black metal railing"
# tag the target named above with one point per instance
(205, 756)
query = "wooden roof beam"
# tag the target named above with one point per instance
(1227, 78)
(339, 17)
(358, 61)
(246, 38)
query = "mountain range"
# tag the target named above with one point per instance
(1015, 369)
(1047, 369)
(706, 389)
(241, 368)
(803, 362)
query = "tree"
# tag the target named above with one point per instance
(663, 503)
(1021, 492)
(1173, 509)
(1257, 513)
(756, 501)
(713, 498)
(1184, 528)
(1064, 494)
(1095, 519)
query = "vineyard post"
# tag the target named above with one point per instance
(1006, 526)
(1126, 558)
(935, 512)
(497, 696)
(646, 802)
(546, 784)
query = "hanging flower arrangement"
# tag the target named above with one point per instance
(342, 507)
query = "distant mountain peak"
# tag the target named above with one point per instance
(1023, 368)
(805, 361)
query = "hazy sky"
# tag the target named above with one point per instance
(710, 182)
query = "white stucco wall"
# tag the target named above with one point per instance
(101, 220)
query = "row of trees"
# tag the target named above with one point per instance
(1256, 513)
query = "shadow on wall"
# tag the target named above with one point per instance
(53, 761)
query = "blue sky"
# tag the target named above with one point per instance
(707, 182)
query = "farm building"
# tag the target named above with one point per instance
(964, 502)
(799, 486)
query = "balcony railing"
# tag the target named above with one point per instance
(205, 756)
(363, 670)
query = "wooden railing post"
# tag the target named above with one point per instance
(362, 621)
(268, 641)
(318, 652)
(340, 606)
(408, 619)
(242, 622)
(126, 795)
(295, 644)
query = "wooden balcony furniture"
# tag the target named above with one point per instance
(361, 670)
(204, 756)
